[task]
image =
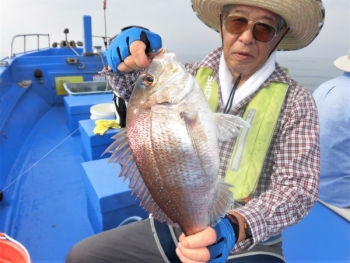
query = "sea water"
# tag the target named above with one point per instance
(310, 72)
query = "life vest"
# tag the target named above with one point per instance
(252, 144)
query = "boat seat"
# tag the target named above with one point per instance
(109, 200)
(93, 145)
(78, 108)
(322, 236)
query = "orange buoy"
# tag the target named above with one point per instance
(11, 251)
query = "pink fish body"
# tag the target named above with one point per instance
(169, 149)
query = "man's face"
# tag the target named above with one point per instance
(243, 54)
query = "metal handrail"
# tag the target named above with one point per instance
(24, 42)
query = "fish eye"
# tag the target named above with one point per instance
(146, 81)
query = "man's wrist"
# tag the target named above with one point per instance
(247, 230)
(234, 223)
(239, 225)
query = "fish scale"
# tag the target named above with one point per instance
(173, 138)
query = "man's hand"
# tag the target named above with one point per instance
(194, 248)
(210, 245)
(132, 49)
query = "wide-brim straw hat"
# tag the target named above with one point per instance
(343, 63)
(304, 17)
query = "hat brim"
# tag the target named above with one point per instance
(343, 63)
(304, 17)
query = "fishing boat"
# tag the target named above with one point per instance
(57, 189)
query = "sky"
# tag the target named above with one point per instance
(181, 31)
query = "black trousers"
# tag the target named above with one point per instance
(137, 243)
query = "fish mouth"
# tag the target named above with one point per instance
(164, 103)
(160, 53)
(178, 72)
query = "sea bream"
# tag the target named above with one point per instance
(169, 148)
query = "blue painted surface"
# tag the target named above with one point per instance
(87, 34)
(48, 211)
(322, 237)
(82, 104)
(93, 145)
(45, 204)
(21, 108)
(16, 124)
(110, 200)
(78, 108)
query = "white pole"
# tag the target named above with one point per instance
(104, 11)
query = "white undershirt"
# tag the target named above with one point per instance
(250, 86)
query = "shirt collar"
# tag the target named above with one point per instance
(250, 86)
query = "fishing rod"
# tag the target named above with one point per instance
(104, 11)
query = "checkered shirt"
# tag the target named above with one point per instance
(288, 185)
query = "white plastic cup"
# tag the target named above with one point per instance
(102, 111)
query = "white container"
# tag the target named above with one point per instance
(102, 111)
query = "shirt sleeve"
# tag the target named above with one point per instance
(122, 84)
(192, 68)
(293, 188)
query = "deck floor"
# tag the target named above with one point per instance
(50, 214)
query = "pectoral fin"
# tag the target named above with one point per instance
(192, 121)
(228, 125)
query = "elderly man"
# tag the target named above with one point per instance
(280, 171)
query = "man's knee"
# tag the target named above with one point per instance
(80, 253)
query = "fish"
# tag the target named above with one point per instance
(169, 149)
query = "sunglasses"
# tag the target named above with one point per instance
(262, 32)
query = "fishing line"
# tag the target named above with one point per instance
(70, 135)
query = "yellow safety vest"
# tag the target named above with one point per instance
(252, 144)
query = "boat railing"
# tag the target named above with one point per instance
(25, 41)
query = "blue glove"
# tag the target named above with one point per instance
(225, 241)
(118, 49)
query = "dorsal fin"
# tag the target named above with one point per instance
(120, 136)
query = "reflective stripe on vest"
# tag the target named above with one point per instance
(252, 144)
